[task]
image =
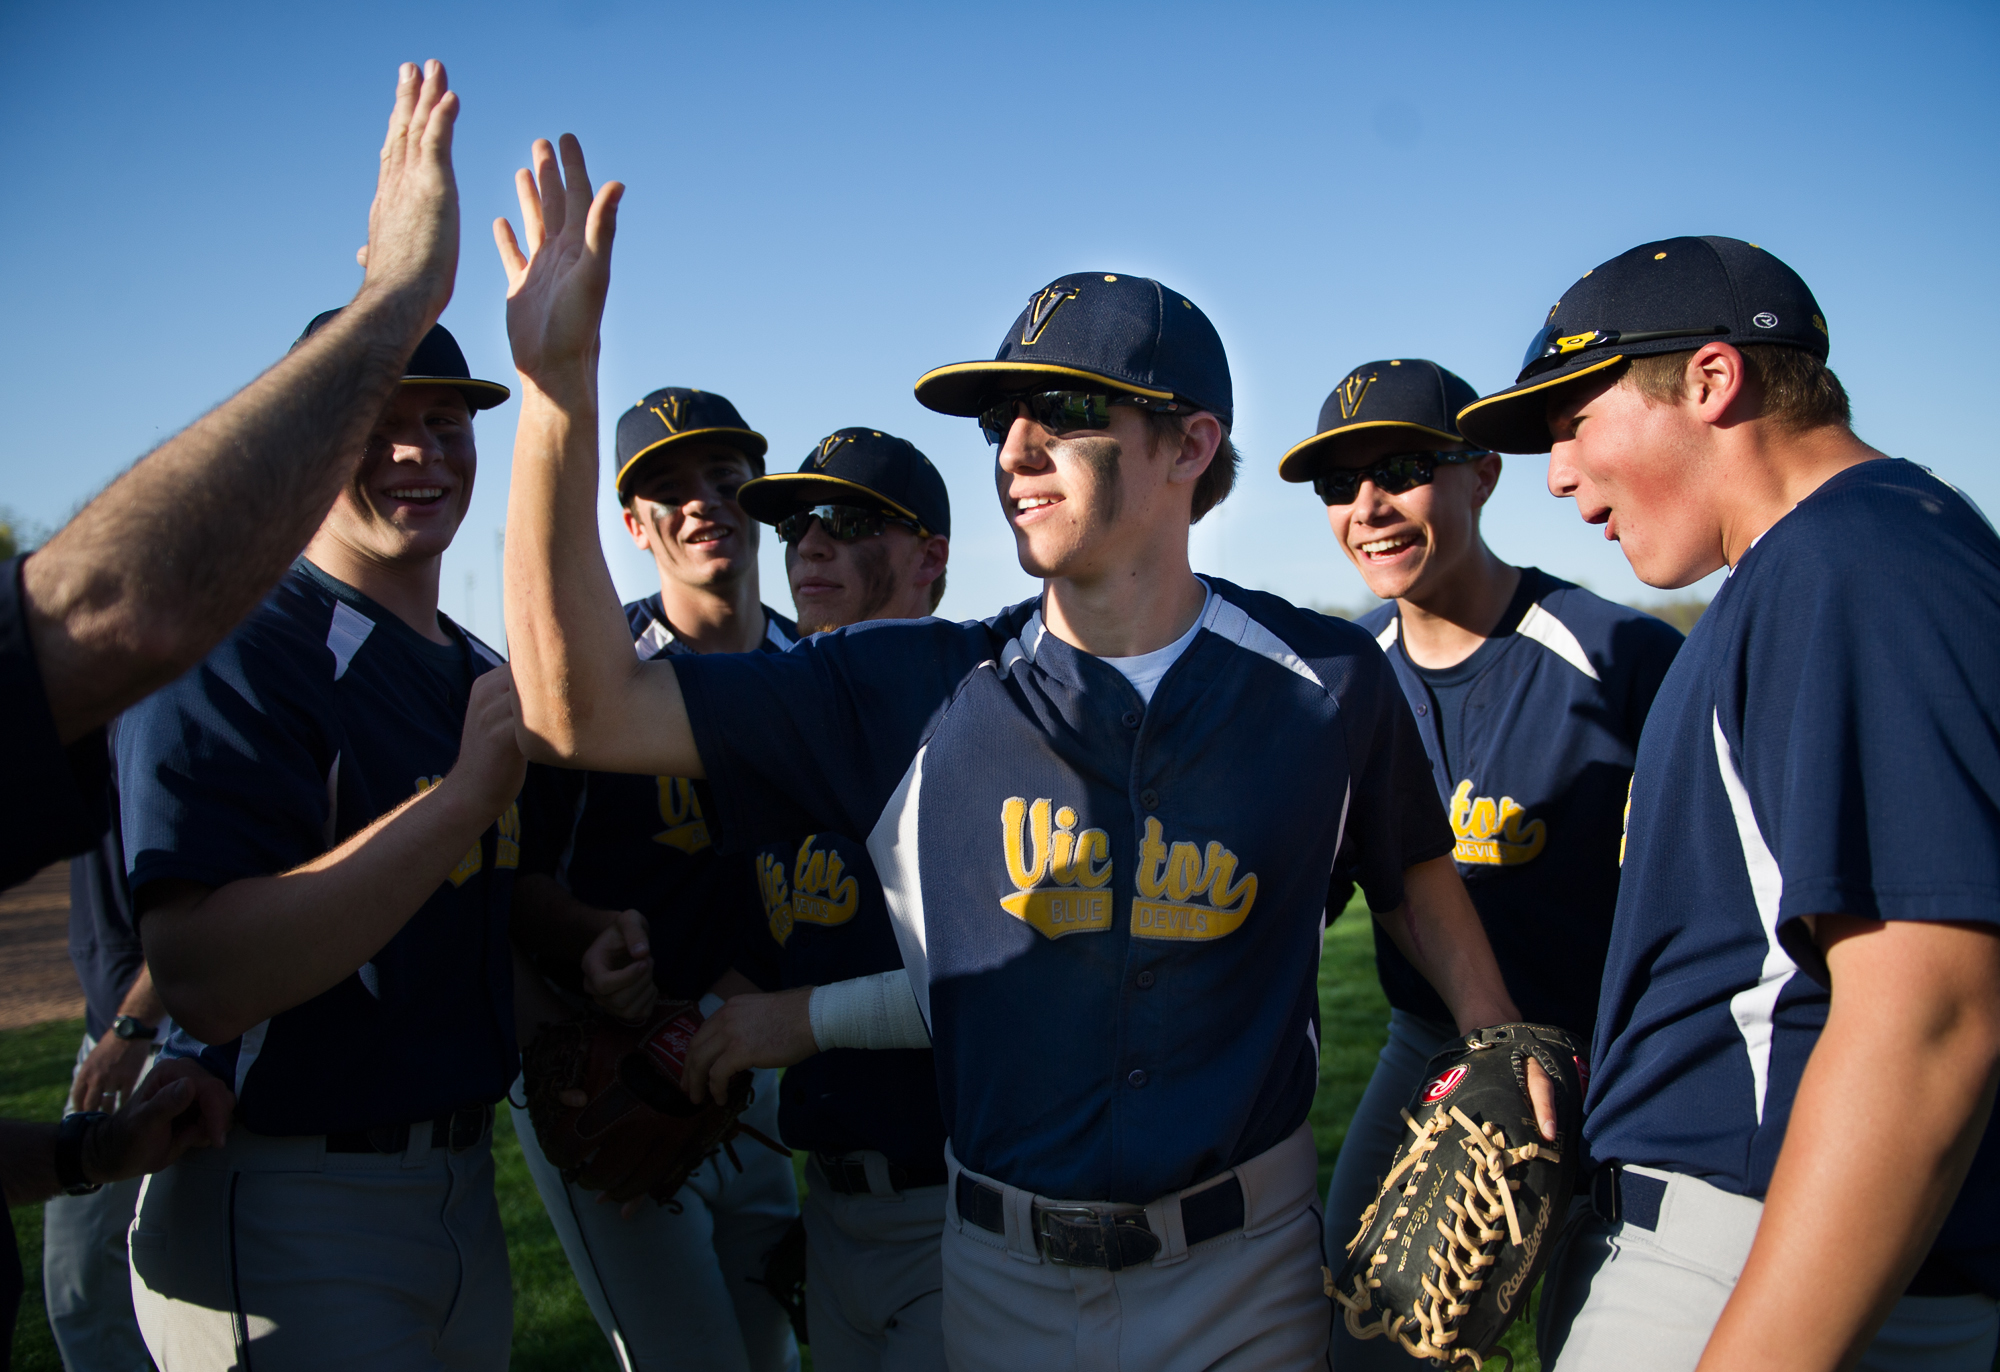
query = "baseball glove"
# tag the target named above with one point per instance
(635, 1132)
(1446, 1255)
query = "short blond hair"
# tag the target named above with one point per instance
(1800, 391)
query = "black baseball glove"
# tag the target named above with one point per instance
(1446, 1255)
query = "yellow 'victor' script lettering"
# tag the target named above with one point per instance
(1491, 833)
(1058, 872)
(1188, 892)
(681, 813)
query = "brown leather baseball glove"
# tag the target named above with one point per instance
(1446, 1255)
(626, 1128)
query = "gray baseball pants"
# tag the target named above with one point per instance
(1629, 1299)
(1251, 1300)
(675, 1292)
(276, 1254)
(874, 1274)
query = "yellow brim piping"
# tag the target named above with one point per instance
(711, 434)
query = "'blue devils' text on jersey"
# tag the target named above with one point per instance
(1533, 775)
(824, 920)
(1111, 911)
(1828, 742)
(642, 843)
(319, 714)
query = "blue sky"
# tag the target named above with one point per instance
(825, 201)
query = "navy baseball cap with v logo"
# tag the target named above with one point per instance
(1096, 331)
(1413, 396)
(438, 361)
(674, 416)
(1670, 296)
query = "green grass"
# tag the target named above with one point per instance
(552, 1325)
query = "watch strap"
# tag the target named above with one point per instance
(69, 1152)
(132, 1027)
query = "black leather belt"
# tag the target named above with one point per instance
(463, 1128)
(849, 1176)
(1078, 1236)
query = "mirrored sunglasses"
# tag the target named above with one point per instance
(1393, 475)
(843, 523)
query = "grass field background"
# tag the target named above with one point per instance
(552, 1326)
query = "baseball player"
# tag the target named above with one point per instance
(866, 523)
(321, 832)
(636, 901)
(1529, 693)
(1799, 1033)
(1104, 820)
(86, 1274)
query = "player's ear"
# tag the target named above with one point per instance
(1201, 435)
(636, 526)
(1716, 380)
(1486, 476)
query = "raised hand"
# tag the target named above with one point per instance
(555, 291)
(413, 224)
(490, 767)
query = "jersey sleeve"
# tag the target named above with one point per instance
(54, 802)
(1873, 767)
(548, 817)
(818, 737)
(226, 773)
(1643, 649)
(1394, 817)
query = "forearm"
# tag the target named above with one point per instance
(552, 926)
(142, 1002)
(245, 951)
(155, 571)
(1890, 1109)
(27, 1162)
(873, 1012)
(1438, 930)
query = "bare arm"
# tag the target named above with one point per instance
(155, 571)
(226, 958)
(177, 1108)
(1892, 1106)
(584, 700)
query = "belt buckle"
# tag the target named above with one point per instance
(1604, 1193)
(1078, 1236)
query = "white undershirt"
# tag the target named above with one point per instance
(1146, 670)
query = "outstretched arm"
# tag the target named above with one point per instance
(155, 571)
(584, 700)
(1892, 1106)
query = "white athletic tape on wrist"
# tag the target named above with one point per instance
(867, 1012)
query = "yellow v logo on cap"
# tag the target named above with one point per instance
(827, 447)
(1042, 309)
(1351, 392)
(669, 413)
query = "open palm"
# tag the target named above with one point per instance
(555, 290)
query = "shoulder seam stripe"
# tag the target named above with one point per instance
(1231, 622)
(1554, 635)
(648, 644)
(345, 635)
(1387, 638)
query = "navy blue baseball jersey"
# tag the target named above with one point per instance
(642, 843)
(1111, 910)
(319, 714)
(823, 920)
(53, 802)
(1826, 743)
(1531, 741)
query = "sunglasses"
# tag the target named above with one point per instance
(1393, 475)
(843, 523)
(1547, 350)
(1062, 412)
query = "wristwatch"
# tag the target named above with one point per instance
(69, 1152)
(132, 1027)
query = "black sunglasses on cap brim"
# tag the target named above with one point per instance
(1393, 475)
(844, 523)
(1063, 412)
(1549, 348)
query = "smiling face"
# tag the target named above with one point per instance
(410, 492)
(683, 511)
(1082, 503)
(1408, 544)
(1645, 473)
(888, 576)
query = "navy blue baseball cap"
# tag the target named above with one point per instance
(675, 415)
(438, 361)
(1412, 395)
(1670, 296)
(1091, 331)
(863, 467)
